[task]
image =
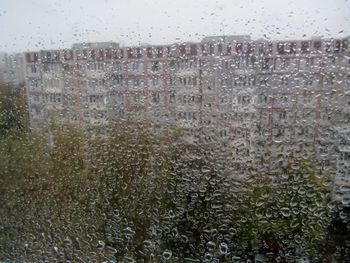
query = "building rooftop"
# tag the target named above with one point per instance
(109, 44)
(226, 38)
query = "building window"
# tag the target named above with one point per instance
(187, 81)
(239, 48)
(188, 99)
(305, 47)
(172, 98)
(54, 98)
(135, 67)
(284, 81)
(265, 63)
(149, 52)
(243, 99)
(263, 99)
(136, 84)
(317, 45)
(330, 80)
(223, 133)
(337, 46)
(155, 66)
(119, 81)
(282, 115)
(155, 97)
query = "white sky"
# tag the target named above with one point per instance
(44, 24)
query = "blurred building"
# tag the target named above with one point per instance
(11, 69)
(259, 102)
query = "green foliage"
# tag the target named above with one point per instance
(290, 208)
(127, 193)
(13, 110)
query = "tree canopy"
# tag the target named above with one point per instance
(128, 193)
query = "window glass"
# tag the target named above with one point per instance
(174, 131)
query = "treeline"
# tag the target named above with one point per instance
(13, 109)
(127, 194)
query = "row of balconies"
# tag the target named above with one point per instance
(212, 48)
(231, 66)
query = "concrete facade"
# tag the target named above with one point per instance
(12, 69)
(259, 102)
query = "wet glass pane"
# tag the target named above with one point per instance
(174, 131)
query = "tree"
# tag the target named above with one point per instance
(126, 193)
(13, 110)
(133, 167)
(291, 209)
(198, 222)
(339, 233)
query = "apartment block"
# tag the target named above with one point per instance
(12, 69)
(259, 102)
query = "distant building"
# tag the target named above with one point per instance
(11, 69)
(19, 67)
(226, 39)
(259, 102)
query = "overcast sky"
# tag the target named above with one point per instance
(44, 24)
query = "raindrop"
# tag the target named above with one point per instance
(100, 244)
(67, 241)
(285, 211)
(223, 248)
(167, 254)
(211, 246)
